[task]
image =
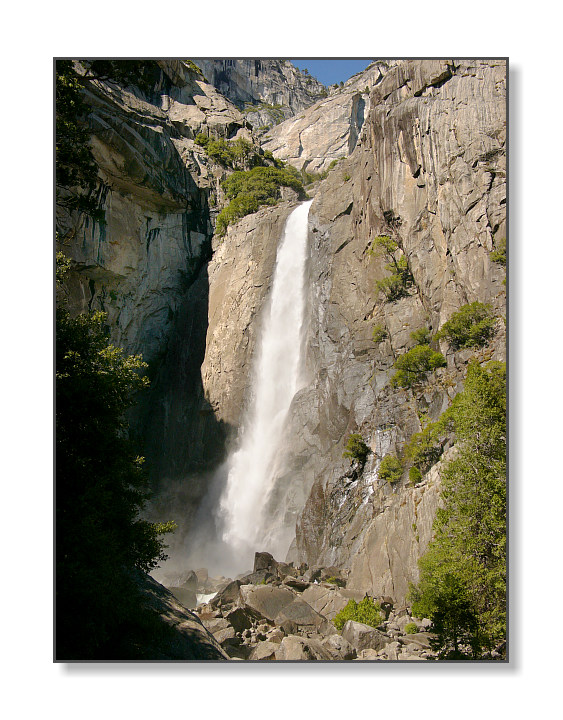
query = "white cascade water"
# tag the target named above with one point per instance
(276, 379)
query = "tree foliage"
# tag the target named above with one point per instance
(390, 469)
(367, 611)
(100, 487)
(249, 190)
(414, 364)
(471, 326)
(462, 584)
(395, 285)
(356, 449)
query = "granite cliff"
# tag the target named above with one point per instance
(266, 91)
(421, 158)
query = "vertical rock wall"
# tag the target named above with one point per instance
(431, 171)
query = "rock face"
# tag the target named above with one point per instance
(267, 91)
(330, 129)
(137, 262)
(177, 634)
(431, 173)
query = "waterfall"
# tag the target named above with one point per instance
(276, 378)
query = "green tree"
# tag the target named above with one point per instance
(356, 449)
(462, 584)
(390, 469)
(101, 488)
(395, 285)
(251, 189)
(414, 364)
(367, 611)
(471, 326)
(421, 336)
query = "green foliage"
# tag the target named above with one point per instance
(101, 487)
(393, 286)
(367, 611)
(238, 153)
(411, 628)
(421, 336)
(252, 189)
(346, 177)
(356, 449)
(379, 333)
(414, 364)
(462, 584)
(472, 325)
(414, 475)
(498, 255)
(390, 469)
(425, 448)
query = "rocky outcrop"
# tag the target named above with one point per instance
(329, 129)
(173, 632)
(267, 91)
(273, 622)
(136, 262)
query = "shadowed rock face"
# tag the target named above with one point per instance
(174, 632)
(137, 262)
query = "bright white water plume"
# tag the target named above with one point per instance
(277, 377)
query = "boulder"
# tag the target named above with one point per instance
(419, 640)
(294, 647)
(227, 595)
(265, 650)
(368, 654)
(295, 583)
(191, 582)
(215, 624)
(187, 597)
(174, 634)
(264, 561)
(239, 619)
(304, 617)
(226, 636)
(260, 577)
(286, 571)
(363, 636)
(339, 648)
(329, 600)
(266, 601)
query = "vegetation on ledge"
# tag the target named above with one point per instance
(471, 326)
(250, 190)
(414, 364)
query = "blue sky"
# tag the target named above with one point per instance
(332, 71)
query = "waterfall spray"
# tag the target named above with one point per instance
(276, 379)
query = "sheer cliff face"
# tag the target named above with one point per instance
(267, 90)
(433, 165)
(138, 261)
